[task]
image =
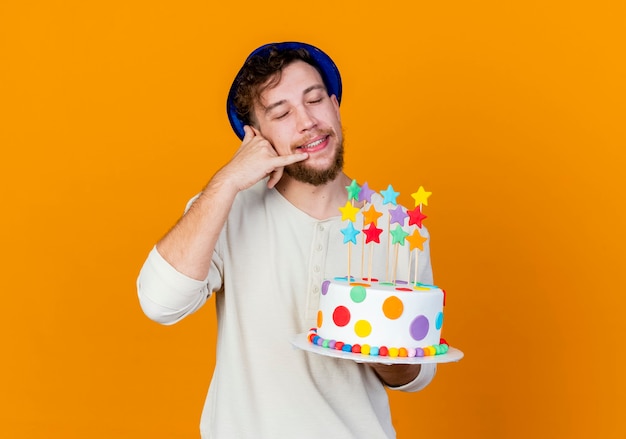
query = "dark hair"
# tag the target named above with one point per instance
(260, 72)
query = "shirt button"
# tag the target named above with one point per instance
(317, 268)
(320, 228)
(320, 247)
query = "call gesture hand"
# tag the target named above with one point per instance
(255, 159)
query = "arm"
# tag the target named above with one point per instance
(174, 279)
(189, 245)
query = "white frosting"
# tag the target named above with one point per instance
(393, 318)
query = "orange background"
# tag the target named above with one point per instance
(511, 113)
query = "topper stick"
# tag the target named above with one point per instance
(388, 240)
(362, 255)
(417, 255)
(395, 265)
(370, 264)
(349, 257)
(408, 273)
(416, 262)
(350, 253)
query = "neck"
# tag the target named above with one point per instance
(320, 202)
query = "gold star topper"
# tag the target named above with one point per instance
(348, 212)
(421, 196)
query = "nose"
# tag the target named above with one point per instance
(305, 120)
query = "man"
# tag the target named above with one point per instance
(262, 236)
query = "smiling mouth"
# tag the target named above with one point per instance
(314, 144)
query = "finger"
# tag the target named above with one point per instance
(275, 177)
(285, 160)
(277, 173)
(258, 135)
(249, 133)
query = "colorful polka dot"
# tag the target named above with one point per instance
(403, 289)
(393, 307)
(341, 316)
(362, 328)
(439, 321)
(357, 294)
(325, 286)
(419, 328)
(344, 278)
(320, 318)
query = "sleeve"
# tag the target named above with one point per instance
(166, 295)
(426, 375)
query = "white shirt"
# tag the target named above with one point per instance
(266, 273)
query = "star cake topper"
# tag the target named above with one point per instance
(421, 196)
(349, 233)
(353, 190)
(389, 195)
(372, 233)
(348, 212)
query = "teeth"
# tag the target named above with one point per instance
(314, 144)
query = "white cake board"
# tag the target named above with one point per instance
(301, 341)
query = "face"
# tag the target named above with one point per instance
(297, 115)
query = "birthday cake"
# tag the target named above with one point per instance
(394, 318)
(380, 318)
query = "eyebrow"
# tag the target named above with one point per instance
(270, 107)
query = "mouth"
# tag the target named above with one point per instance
(315, 145)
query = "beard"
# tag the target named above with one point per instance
(303, 173)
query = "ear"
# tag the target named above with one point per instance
(253, 121)
(335, 102)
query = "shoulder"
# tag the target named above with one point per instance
(251, 196)
(254, 197)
